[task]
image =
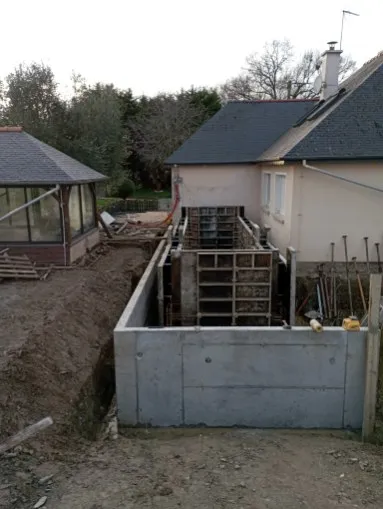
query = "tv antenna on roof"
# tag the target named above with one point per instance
(341, 30)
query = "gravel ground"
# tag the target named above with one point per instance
(204, 469)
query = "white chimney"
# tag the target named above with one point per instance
(330, 71)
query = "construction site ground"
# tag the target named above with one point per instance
(197, 469)
(55, 360)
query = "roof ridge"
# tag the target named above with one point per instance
(256, 101)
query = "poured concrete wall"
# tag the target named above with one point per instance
(136, 312)
(258, 377)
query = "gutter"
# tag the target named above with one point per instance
(333, 175)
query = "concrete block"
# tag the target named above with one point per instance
(355, 379)
(159, 375)
(265, 408)
(264, 365)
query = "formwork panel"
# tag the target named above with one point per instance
(248, 275)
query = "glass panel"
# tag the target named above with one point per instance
(74, 211)
(87, 208)
(15, 228)
(44, 217)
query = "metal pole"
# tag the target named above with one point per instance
(378, 255)
(348, 275)
(350, 181)
(367, 257)
(341, 31)
(25, 205)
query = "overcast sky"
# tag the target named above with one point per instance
(163, 45)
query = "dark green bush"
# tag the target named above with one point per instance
(126, 189)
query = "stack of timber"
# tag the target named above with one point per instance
(17, 267)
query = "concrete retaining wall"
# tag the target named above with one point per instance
(258, 377)
(226, 376)
(135, 313)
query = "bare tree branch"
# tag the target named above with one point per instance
(277, 74)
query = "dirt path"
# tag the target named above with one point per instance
(206, 469)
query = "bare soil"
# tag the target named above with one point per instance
(51, 337)
(54, 335)
(202, 469)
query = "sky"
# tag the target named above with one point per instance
(154, 46)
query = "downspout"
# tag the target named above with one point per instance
(35, 200)
(350, 181)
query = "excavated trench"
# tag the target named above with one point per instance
(97, 394)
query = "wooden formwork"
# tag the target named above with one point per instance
(234, 287)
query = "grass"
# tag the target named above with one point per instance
(150, 194)
(140, 194)
(102, 203)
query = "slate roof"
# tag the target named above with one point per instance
(348, 125)
(240, 132)
(24, 160)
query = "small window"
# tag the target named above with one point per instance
(280, 191)
(266, 189)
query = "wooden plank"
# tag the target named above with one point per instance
(17, 270)
(44, 276)
(25, 276)
(13, 257)
(26, 433)
(17, 264)
(19, 276)
(372, 359)
(122, 228)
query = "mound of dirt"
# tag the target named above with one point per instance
(52, 334)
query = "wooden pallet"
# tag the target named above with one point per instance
(17, 267)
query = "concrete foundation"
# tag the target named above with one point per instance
(258, 377)
(226, 376)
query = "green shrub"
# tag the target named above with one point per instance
(126, 189)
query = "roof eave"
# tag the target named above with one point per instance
(211, 163)
(34, 183)
(333, 158)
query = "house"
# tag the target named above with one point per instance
(47, 200)
(311, 170)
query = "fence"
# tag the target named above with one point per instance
(133, 205)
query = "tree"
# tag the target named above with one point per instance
(277, 74)
(162, 124)
(31, 99)
(94, 133)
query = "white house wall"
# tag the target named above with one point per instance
(220, 185)
(325, 208)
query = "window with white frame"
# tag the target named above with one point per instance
(266, 189)
(280, 194)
